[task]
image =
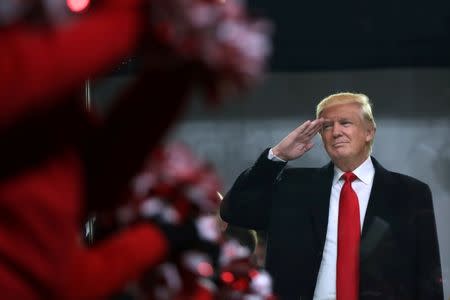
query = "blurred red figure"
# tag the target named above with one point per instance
(59, 162)
(54, 155)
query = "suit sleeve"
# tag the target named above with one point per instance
(249, 200)
(428, 264)
(98, 272)
(40, 65)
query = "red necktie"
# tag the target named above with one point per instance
(347, 268)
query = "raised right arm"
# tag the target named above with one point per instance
(249, 200)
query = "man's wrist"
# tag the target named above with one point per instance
(271, 156)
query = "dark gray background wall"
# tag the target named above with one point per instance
(331, 34)
(411, 106)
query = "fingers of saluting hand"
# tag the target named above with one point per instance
(305, 147)
(309, 129)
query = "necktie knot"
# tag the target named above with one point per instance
(349, 177)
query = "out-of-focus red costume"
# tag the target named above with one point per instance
(56, 160)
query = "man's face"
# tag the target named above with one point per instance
(345, 133)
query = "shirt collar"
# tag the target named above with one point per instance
(365, 172)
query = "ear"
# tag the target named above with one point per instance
(370, 133)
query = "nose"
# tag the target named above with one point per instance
(337, 132)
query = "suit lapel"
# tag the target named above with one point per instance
(375, 223)
(321, 202)
(378, 202)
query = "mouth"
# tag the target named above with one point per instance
(339, 144)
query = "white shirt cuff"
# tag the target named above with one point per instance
(273, 157)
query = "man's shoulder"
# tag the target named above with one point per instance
(396, 177)
(406, 179)
(302, 172)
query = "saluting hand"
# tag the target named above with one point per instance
(299, 141)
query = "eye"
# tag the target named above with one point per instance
(326, 126)
(346, 123)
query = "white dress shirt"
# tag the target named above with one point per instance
(326, 279)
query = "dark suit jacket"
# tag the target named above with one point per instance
(399, 257)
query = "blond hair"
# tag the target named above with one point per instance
(344, 98)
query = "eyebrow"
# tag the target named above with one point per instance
(328, 121)
(345, 120)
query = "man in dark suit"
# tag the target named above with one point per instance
(349, 230)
